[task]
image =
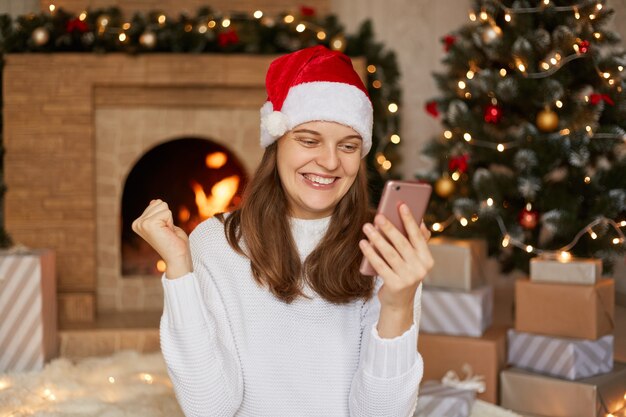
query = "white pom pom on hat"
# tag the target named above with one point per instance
(315, 84)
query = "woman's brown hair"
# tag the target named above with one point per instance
(260, 230)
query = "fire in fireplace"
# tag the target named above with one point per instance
(196, 177)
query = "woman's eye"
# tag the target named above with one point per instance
(349, 147)
(306, 141)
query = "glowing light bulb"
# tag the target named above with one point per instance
(147, 378)
(597, 35)
(462, 85)
(606, 75)
(588, 128)
(507, 17)
(546, 2)
(463, 221)
(467, 137)
(455, 176)
(470, 74)
(593, 234)
(484, 15)
(559, 104)
(82, 16)
(258, 14)
(161, 19)
(623, 224)
(111, 380)
(500, 147)
(505, 241)
(436, 227)
(620, 68)
(301, 28)
(393, 107)
(553, 61)
(522, 67)
(447, 134)
(529, 248)
(371, 69)
(490, 202)
(386, 165)
(545, 66)
(321, 35)
(122, 37)
(472, 16)
(592, 16)
(599, 6)
(52, 8)
(395, 139)
(502, 72)
(226, 22)
(616, 240)
(289, 18)
(564, 256)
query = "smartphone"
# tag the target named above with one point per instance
(416, 195)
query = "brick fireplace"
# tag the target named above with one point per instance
(76, 124)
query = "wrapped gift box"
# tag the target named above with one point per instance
(574, 271)
(486, 355)
(566, 310)
(28, 310)
(456, 312)
(435, 399)
(562, 357)
(534, 394)
(459, 263)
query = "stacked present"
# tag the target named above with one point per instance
(457, 313)
(28, 312)
(562, 345)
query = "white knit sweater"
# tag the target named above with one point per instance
(233, 349)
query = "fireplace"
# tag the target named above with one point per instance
(196, 177)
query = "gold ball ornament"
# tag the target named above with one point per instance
(444, 186)
(148, 40)
(40, 36)
(547, 120)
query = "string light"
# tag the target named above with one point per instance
(469, 75)
(559, 104)
(502, 72)
(258, 14)
(463, 221)
(507, 17)
(226, 22)
(564, 256)
(126, 26)
(161, 19)
(455, 176)
(122, 37)
(447, 134)
(593, 234)
(289, 19)
(529, 248)
(484, 16)
(500, 147)
(467, 137)
(505, 241)
(52, 8)
(436, 227)
(393, 107)
(300, 28)
(82, 16)
(490, 202)
(111, 380)
(461, 85)
(321, 35)
(371, 69)
(395, 139)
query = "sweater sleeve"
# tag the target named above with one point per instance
(198, 346)
(387, 380)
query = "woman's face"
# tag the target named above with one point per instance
(317, 164)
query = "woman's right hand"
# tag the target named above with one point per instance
(156, 226)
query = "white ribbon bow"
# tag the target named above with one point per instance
(471, 382)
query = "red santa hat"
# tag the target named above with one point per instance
(315, 84)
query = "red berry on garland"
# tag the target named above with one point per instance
(307, 11)
(76, 25)
(227, 38)
(597, 98)
(449, 40)
(493, 114)
(528, 219)
(431, 108)
(583, 46)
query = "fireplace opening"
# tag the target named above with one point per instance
(196, 177)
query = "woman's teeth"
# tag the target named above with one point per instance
(320, 180)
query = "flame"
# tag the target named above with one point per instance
(216, 160)
(221, 195)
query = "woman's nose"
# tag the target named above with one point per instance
(328, 158)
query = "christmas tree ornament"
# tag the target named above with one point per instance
(528, 218)
(444, 186)
(493, 114)
(40, 36)
(583, 46)
(459, 163)
(597, 98)
(76, 25)
(227, 38)
(547, 120)
(307, 11)
(431, 108)
(448, 41)
(148, 40)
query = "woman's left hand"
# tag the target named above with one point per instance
(402, 262)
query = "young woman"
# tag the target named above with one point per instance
(266, 313)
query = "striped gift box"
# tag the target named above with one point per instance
(561, 357)
(457, 313)
(439, 400)
(28, 316)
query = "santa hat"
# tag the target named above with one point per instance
(315, 84)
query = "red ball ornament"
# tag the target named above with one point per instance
(76, 25)
(227, 38)
(528, 219)
(459, 163)
(583, 46)
(431, 108)
(493, 114)
(307, 11)
(448, 41)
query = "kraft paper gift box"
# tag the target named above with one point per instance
(535, 394)
(28, 309)
(435, 399)
(459, 263)
(573, 271)
(561, 357)
(565, 310)
(486, 356)
(457, 312)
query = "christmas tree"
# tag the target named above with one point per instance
(532, 155)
